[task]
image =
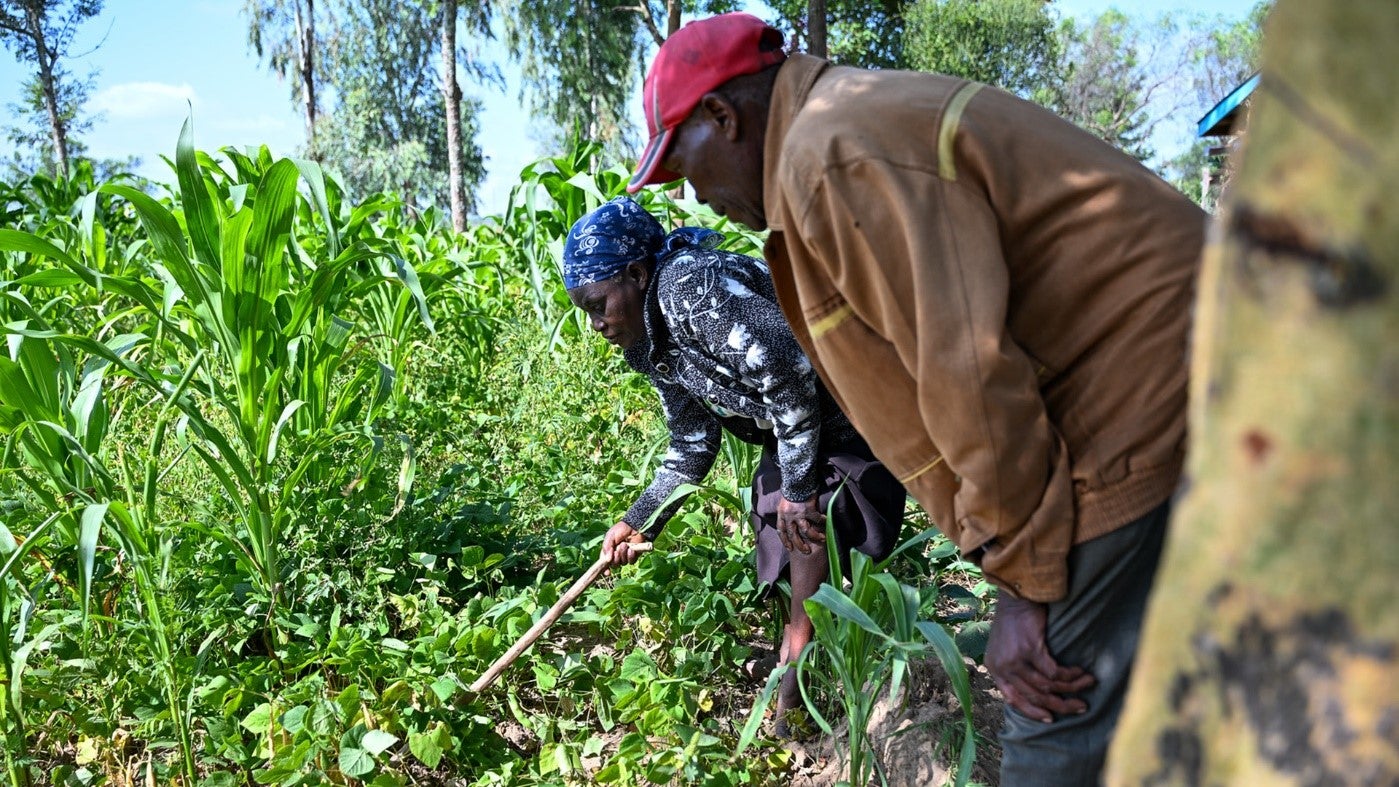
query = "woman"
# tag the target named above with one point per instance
(705, 327)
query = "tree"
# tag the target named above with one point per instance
(388, 130)
(1221, 60)
(816, 28)
(40, 32)
(451, 92)
(1270, 652)
(579, 64)
(1227, 55)
(1121, 78)
(868, 33)
(581, 61)
(479, 22)
(1007, 43)
(284, 32)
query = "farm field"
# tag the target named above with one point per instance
(284, 473)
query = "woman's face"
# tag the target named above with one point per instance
(615, 306)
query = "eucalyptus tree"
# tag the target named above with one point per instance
(478, 24)
(40, 32)
(1122, 77)
(581, 61)
(1222, 59)
(285, 33)
(388, 130)
(1007, 43)
(867, 33)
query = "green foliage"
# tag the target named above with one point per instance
(1105, 79)
(388, 129)
(40, 32)
(283, 472)
(867, 33)
(582, 62)
(864, 639)
(1007, 43)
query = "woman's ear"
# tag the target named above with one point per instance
(638, 274)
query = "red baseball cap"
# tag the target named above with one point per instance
(698, 58)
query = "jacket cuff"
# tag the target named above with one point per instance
(1033, 577)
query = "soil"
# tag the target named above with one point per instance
(916, 736)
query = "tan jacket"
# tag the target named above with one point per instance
(998, 300)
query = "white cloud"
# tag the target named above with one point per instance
(133, 100)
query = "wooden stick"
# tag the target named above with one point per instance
(555, 612)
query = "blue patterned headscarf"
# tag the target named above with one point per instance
(619, 232)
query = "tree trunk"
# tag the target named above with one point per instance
(816, 27)
(306, 63)
(452, 89)
(58, 127)
(1271, 646)
(672, 17)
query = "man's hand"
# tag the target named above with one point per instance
(614, 549)
(801, 526)
(1029, 678)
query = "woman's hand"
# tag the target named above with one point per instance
(614, 549)
(801, 526)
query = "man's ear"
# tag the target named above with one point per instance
(722, 113)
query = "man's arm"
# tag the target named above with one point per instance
(919, 261)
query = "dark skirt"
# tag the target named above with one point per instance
(867, 514)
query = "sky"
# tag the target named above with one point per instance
(155, 60)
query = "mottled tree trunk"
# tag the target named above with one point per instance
(816, 27)
(452, 89)
(306, 64)
(48, 83)
(1270, 650)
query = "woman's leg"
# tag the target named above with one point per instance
(807, 573)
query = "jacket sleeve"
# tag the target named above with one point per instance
(751, 341)
(694, 443)
(918, 259)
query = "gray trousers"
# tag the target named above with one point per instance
(1095, 627)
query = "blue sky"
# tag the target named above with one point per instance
(158, 57)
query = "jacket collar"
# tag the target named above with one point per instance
(789, 92)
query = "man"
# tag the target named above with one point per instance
(1000, 303)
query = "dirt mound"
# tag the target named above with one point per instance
(915, 735)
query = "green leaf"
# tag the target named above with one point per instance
(376, 741)
(427, 746)
(88, 533)
(348, 702)
(294, 720)
(638, 666)
(841, 606)
(972, 637)
(258, 721)
(444, 688)
(356, 762)
(200, 217)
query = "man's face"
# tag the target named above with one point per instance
(723, 165)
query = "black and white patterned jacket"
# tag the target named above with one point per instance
(719, 351)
